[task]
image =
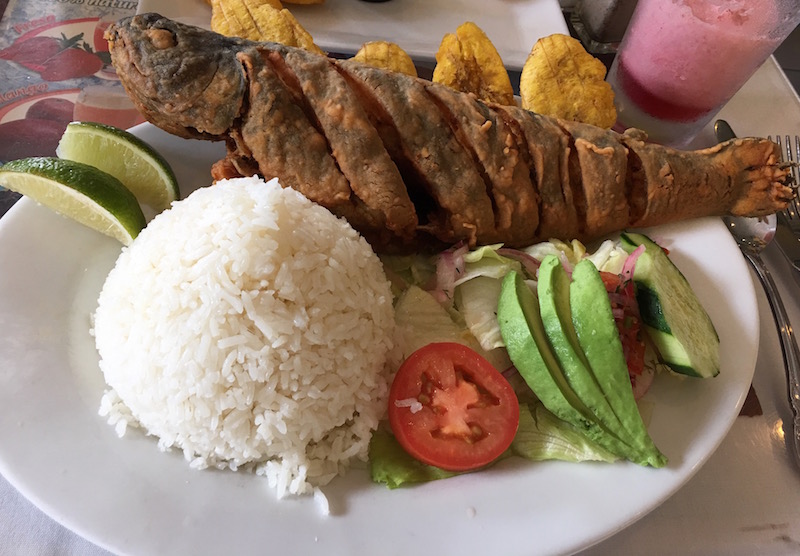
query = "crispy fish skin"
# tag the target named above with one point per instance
(741, 177)
(449, 174)
(352, 139)
(470, 170)
(294, 150)
(546, 147)
(491, 141)
(597, 164)
(192, 88)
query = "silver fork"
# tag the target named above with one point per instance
(792, 156)
(787, 234)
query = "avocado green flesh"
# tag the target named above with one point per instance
(553, 291)
(599, 341)
(523, 332)
(675, 320)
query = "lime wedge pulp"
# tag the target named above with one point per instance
(77, 191)
(136, 164)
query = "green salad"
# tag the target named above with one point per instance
(542, 353)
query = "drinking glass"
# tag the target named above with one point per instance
(680, 61)
(106, 104)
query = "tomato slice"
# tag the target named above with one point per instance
(449, 407)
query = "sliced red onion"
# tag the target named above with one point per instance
(449, 268)
(630, 263)
(530, 264)
(565, 263)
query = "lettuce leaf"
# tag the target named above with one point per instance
(476, 300)
(486, 261)
(421, 320)
(543, 436)
(408, 270)
(477, 292)
(390, 464)
(472, 321)
(609, 257)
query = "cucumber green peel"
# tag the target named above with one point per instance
(673, 318)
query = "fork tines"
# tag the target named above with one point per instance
(792, 158)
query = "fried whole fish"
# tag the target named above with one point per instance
(413, 164)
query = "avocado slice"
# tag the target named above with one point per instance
(599, 340)
(523, 333)
(554, 303)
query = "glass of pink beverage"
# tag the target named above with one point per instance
(106, 104)
(681, 60)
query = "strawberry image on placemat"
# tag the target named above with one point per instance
(55, 59)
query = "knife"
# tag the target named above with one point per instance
(785, 238)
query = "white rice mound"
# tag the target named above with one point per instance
(249, 327)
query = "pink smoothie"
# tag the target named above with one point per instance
(664, 66)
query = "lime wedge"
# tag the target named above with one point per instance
(126, 157)
(77, 191)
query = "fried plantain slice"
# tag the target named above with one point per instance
(468, 62)
(386, 55)
(225, 23)
(561, 79)
(260, 20)
(285, 29)
(235, 18)
(219, 23)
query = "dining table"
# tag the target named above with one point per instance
(743, 500)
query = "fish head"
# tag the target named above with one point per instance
(181, 78)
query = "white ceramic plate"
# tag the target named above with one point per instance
(416, 25)
(125, 495)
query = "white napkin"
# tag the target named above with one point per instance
(26, 531)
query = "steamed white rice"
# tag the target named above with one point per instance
(247, 326)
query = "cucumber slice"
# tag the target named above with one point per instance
(673, 317)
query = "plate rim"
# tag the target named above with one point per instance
(21, 214)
